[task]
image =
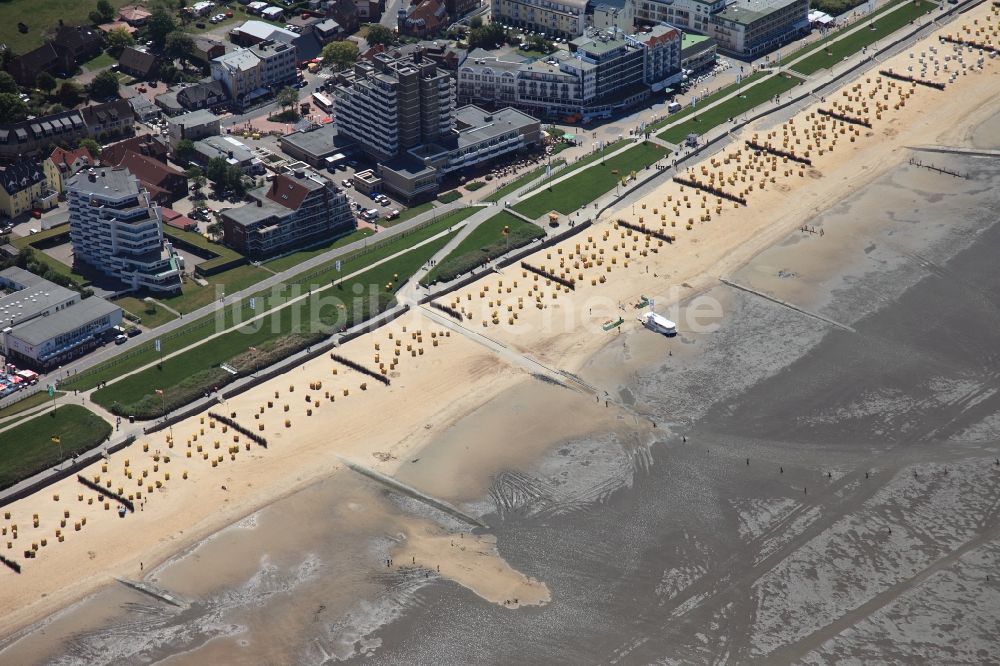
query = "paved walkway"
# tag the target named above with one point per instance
(99, 356)
(82, 397)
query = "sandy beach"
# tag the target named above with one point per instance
(200, 476)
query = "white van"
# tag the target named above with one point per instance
(674, 107)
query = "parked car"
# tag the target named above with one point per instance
(121, 339)
(134, 331)
(392, 214)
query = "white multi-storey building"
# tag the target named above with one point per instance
(555, 18)
(393, 104)
(745, 28)
(601, 73)
(251, 73)
(116, 228)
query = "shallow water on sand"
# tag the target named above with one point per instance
(812, 492)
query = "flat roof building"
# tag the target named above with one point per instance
(192, 126)
(315, 143)
(236, 153)
(744, 28)
(43, 325)
(390, 105)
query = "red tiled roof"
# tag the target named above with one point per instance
(114, 25)
(66, 158)
(175, 219)
(145, 144)
(147, 169)
(134, 13)
(287, 192)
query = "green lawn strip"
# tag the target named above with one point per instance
(484, 243)
(284, 332)
(35, 239)
(412, 212)
(835, 34)
(449, 196)
(592, 157)
(194, 295)
(223, 254)
(33, 400)
(520, 182)
(42, 18)
(717, 115)
(102, 60)
(835, 51)
(569, 195)
(292, 260)
(205, 326)
(27, 449)
(717, 95)
(151, 315)
(33, 242)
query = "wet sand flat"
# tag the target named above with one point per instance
(641, 530)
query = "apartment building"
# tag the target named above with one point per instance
(743, 28)
(40, 135)
(554, 18)
(750, 28)
(602, 72)
(251, 73)
(26, 185)
(390, 104)
(484, 78)
(294, 211)
(116, 228)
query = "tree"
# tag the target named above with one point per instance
(340, 54)
(184, 151)
(161, 24)
(104, 85)
(106, 11)
(12, 109)
(7, 83)
(196, 176)
(379, 34)
(539, 43)
(70, 94)
(179, 45)
(476, 22)
(487, 37)
(287, 97)
(118, 40)
(215, 171)
(45, 82)
(214, 230)
(6, 56)
(92, 147)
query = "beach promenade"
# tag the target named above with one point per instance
(198, 476)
